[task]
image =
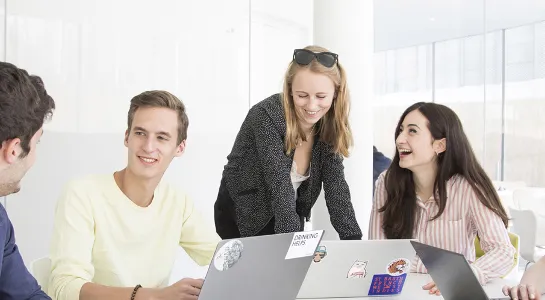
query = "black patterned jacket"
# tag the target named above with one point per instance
(257, 177)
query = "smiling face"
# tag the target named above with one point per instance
(313, 95)
(415, 144)
(152, 141)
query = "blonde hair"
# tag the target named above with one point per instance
(334, 127)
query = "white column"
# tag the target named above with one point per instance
(346, 28)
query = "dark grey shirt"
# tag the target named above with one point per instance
(15, 280)
(257, 176)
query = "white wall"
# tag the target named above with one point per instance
(219, 57)
(278, 27)
(94, 58)
(346, 28)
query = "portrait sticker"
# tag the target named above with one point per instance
(319, 254)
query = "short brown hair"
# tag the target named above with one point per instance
(24, 105)
(161, 99)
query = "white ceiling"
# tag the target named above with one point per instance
(404, 23)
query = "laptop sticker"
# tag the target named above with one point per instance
(319, 254)
(304, 244)
(228, 255)
(358, 269)
(398, 267)
(384, 284)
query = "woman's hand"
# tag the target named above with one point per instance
(531, 284)
(432, 288)
(521, 292)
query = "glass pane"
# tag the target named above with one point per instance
(459, 84)
(524, 103)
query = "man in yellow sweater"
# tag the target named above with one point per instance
(116, 235)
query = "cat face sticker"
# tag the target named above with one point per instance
(319, 254)
(398, 267)
(358, 269)
(228, 255)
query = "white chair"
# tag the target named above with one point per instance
(505, 190)
(530, 198)
(508, 185)
(506, 198)
(527, 224)
(41, 269)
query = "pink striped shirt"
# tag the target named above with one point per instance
(455, 230)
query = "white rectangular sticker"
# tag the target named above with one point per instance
(304, 244)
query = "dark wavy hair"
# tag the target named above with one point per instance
(458, 159)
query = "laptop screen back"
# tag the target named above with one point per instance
(451, 273)
(267, 267)
(358, 269)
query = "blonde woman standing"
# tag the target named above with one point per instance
(289, 145)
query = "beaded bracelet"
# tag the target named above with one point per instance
(134, 291)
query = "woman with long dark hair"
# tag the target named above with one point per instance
(436, 191)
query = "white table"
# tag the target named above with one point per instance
(413, 290)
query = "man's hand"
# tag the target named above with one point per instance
(185, 289)
(521, 292)
(432, 288)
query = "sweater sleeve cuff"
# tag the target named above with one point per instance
(70, 291)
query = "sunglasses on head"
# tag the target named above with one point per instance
(304, 57)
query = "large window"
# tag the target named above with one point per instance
(495, 81)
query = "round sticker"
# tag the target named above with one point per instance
(398, 267)
(228, 255)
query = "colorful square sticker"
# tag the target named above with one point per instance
(384, 284)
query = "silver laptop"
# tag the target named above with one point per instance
(270, 267)
(451, 273)
(358, 269)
